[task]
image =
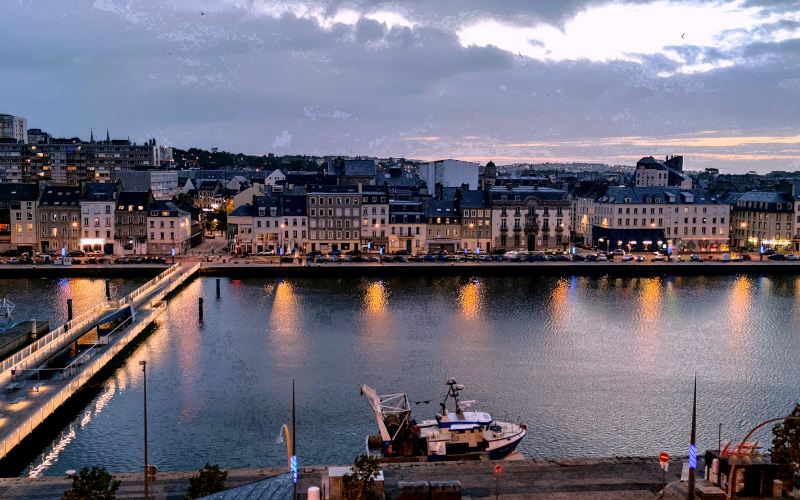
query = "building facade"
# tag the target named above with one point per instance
(764, 219)
(98, 203)
(168, 228)
(374, 218)
(130, 223)
(163, 184)
(14, 127)
(18, 217)
(334, 218)
(476, 220)
(407, 228)
(59, 219)
(530, 218)
(637, 219)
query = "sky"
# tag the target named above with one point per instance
(505, 80)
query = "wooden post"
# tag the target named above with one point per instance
(200, 308)
(108, 290)
(217, 287)
(69, 309)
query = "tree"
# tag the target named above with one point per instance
(786, 443)
(209, 480)
(359, 484)
(95, 484)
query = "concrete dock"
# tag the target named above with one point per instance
(29, 393)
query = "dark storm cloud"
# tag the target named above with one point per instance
(323, 78)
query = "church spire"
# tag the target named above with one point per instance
(108, 138)
(91, 135)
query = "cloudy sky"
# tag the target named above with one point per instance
(508, 80)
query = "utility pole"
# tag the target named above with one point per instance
(294, 450)
(692, 447)
(144, 371)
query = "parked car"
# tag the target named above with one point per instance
(388, 258)
(769, 251)
(77, 253)
(746, 256)
(627, 257)
(602, 257)
(694, 258)
(659, 256)
(777, 256)
(792, 257)
(417, 258)
(314, 253)
(320, 258)
(592, 257)
(360, 258)
(374, 259)
(332, 257)
(401, 258)
(640, 258)
(562, 258)
(429, 258)
(266, 253)
(619, 251)
(578, 257)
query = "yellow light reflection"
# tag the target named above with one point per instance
(740, 301)
(649, 318)
(286, 322)
(376, 300)
(470, 300)
(559, 305)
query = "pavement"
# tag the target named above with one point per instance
(618, 478)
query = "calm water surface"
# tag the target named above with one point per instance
(594, 366)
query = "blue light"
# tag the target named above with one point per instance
(573, 251)
(63, 252)
(293, 466)
(478, 251)
(692, 457)
(381, 250)
(281, 251)
(173, 252)
(369, 245)
(761, 249)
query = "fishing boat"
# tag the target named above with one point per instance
(453, 435)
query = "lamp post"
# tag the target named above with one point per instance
(143, 364)
(283, 225)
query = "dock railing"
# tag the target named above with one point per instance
(33, 353)
(82, 375)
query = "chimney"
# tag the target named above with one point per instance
(458, 194)
(465, 187)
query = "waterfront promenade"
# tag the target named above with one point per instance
(619, 478)
(262, 267)
(33, 390)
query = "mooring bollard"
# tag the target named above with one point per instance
(108, 290)
(201, 308)
(69, 309)
(217, 287)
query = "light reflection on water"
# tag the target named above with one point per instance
(595, 366)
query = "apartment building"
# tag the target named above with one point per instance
(375, 218)
(18, 217)
(59, 219)
(764, 219)
(443, 226)
(407, 227)
(168, 228)
(334, 217)
(660, 218)
(528, 218)
(130, 222)
(98, 203)
(476, 220)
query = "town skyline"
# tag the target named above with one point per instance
(583, 81)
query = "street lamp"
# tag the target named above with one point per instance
(143, 364)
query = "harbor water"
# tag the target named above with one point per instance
(593, 366)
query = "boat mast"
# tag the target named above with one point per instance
(452, 392)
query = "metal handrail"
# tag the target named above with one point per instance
(102, 341)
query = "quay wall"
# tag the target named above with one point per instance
(613, 269)
(95, 364)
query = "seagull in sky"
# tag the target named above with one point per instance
(683, 35)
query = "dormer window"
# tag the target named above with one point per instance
(121, 207)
